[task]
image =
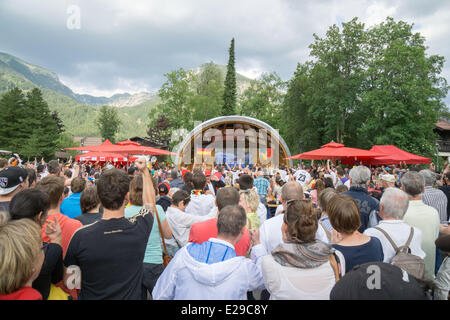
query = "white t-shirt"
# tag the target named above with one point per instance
(302, 177)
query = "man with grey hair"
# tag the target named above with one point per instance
(368, 206)
(393, 206)
(423, 217)
(434, 197)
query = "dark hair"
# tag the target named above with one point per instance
(179, 196)
(227, 197)
(53, 186)
(343, 213)
(131, 170)
(245, 182)
(136, 188)
(112, 188)
(89, 199)
(29, 203)
(301, 221)
(53, 166)
(199, 181)
(68, 173)
(77, 185)
(231, 220)
(174, 174)
(31, 176)
(328, 182)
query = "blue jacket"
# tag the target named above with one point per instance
(366, 205)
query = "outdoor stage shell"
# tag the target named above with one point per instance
(190, 148)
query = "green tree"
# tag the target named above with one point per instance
(13, 132)
(43, 133)
(230, 93)
(109, 123)
(263, 99)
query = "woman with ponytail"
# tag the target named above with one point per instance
(302, 267)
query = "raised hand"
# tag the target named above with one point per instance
(53, 231)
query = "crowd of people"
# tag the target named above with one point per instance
(318, 231)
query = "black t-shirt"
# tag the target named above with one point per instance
(4, 206)
(164, 202)
(88, 218)
(110, 255)
(51, 271)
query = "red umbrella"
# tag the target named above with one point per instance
(336, 151)
(394, 155)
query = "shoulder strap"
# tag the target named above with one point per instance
(388, 237)
(406, 245)
(334, 265)
(328, 233)
(160, 231)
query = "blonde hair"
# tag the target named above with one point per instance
(20, 245)
(251, 198)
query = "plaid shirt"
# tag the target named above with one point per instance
(262, 185)
(437, 199)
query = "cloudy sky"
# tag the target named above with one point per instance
(128, 45)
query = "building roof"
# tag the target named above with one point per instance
(443, 125)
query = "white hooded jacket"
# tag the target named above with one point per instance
(185, 278)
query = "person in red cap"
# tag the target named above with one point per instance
(164, 200)
(209, 185)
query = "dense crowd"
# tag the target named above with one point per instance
(320, 231)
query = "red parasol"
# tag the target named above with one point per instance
(337, 151)
(394, 155)
(102, 157)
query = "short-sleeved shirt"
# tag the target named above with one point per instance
(302, 177)
(88, 218)
(109, 254)
(371, 251)
(153, 252)
(71, 205)
(262, 185)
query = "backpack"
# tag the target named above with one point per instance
(403, 258)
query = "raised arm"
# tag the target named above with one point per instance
(148, 190)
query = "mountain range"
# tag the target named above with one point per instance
(79, 111)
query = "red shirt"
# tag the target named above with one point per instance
(68, 228)
(25, 293)
(202, 231)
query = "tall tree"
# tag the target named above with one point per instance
(230, 93)
(13, 132)
(109, 123)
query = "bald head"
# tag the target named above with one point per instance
(291, 191)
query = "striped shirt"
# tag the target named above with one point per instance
(437, 199)
(262, 185)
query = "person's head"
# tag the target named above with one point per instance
(231, 223)
(112, 188)
(67, 173)
(136, 189)
(31, 204)
(340, 171)
(132, 171)
(291, 191)
(174, 174)
(299, 222)
(89, 200)
(53, 167)
(199, 180)
(413, 184)
(328, 182)
(428, 176)
(387, 180)
(3, 163)
(20, 251)
(228, 196)
(341, 188)
(308, 167)
(77, 185)
(31, 178)
(53, 186)
(187, 178)
(393, 204)
(343, 213)
(163, 189)
(245, 182)
(249, 200)
(319, 185)
(324, 196)
(12, 181)
(360, 176)
(181, 199)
